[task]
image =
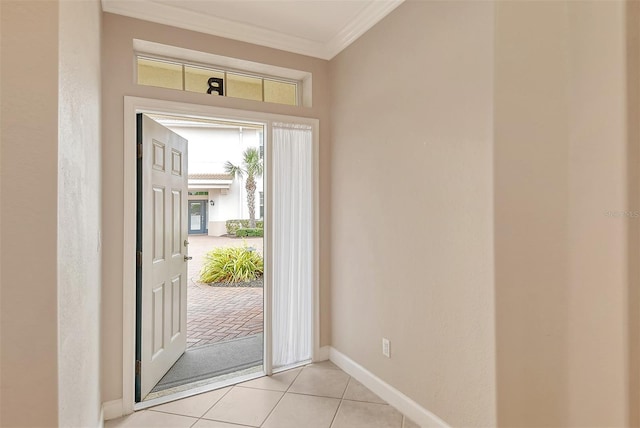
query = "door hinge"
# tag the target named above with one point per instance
(139, 151)
(139, 258)
(138, 367)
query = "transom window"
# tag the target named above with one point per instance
(216, 81)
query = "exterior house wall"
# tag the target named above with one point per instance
(118, 60)
(209, 150)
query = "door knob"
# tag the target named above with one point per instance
(187, 258)
(186, 242)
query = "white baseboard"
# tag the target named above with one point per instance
(395, 398)
(112, 409)
(321, 354)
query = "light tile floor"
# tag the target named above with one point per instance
(315, 396)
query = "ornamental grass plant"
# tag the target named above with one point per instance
(232, 265)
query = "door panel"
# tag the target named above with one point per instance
(176, 216)
(158, 224)
(163, 317)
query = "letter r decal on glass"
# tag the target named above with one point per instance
(215, 85)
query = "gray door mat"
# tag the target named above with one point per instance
(213, 360)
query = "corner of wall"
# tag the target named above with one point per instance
(391, 395)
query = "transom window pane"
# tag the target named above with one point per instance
(196, 79)
(280, 92)
(159, 73)
(249, 88)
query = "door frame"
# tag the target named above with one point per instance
(134, 105)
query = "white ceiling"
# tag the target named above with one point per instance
(318, 28)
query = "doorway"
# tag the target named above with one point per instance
(197, 217)
(219, 335)
(272, 303)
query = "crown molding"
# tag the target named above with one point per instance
(370, 16)
(170, 15)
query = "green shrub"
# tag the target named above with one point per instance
(246, 232)
(233, 225)
(232, 265)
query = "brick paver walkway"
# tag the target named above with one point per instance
(215, 314)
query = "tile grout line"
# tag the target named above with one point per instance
(216, 402)
(306, 394)
(368, 402)
(271, 411)
(281, 397)
(294, 379)
(341, 401)
(195, 422)
(153, 409)
(345, 388)
(335, 414)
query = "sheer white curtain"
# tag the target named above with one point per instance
(292, 244)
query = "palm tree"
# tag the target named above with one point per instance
(252, 168)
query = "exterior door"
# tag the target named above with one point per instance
(162, 241)
(198, 216)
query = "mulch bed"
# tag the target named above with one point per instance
(255, 283)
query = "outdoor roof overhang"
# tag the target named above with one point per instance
(209, 184)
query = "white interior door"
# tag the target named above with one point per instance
(164, 252)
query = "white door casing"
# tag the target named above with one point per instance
(164, 262)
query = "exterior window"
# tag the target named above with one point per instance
(261, 137)
(215, 81)
(261, 204)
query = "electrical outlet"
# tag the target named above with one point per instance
(386, 347)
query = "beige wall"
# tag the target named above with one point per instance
(598, 315)
(118, 81)
(557, 84)
(561, 263)
(531, 210)
(29, 133)
(50, 213)
(412, 261)
(633, 192)
(79, 202)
